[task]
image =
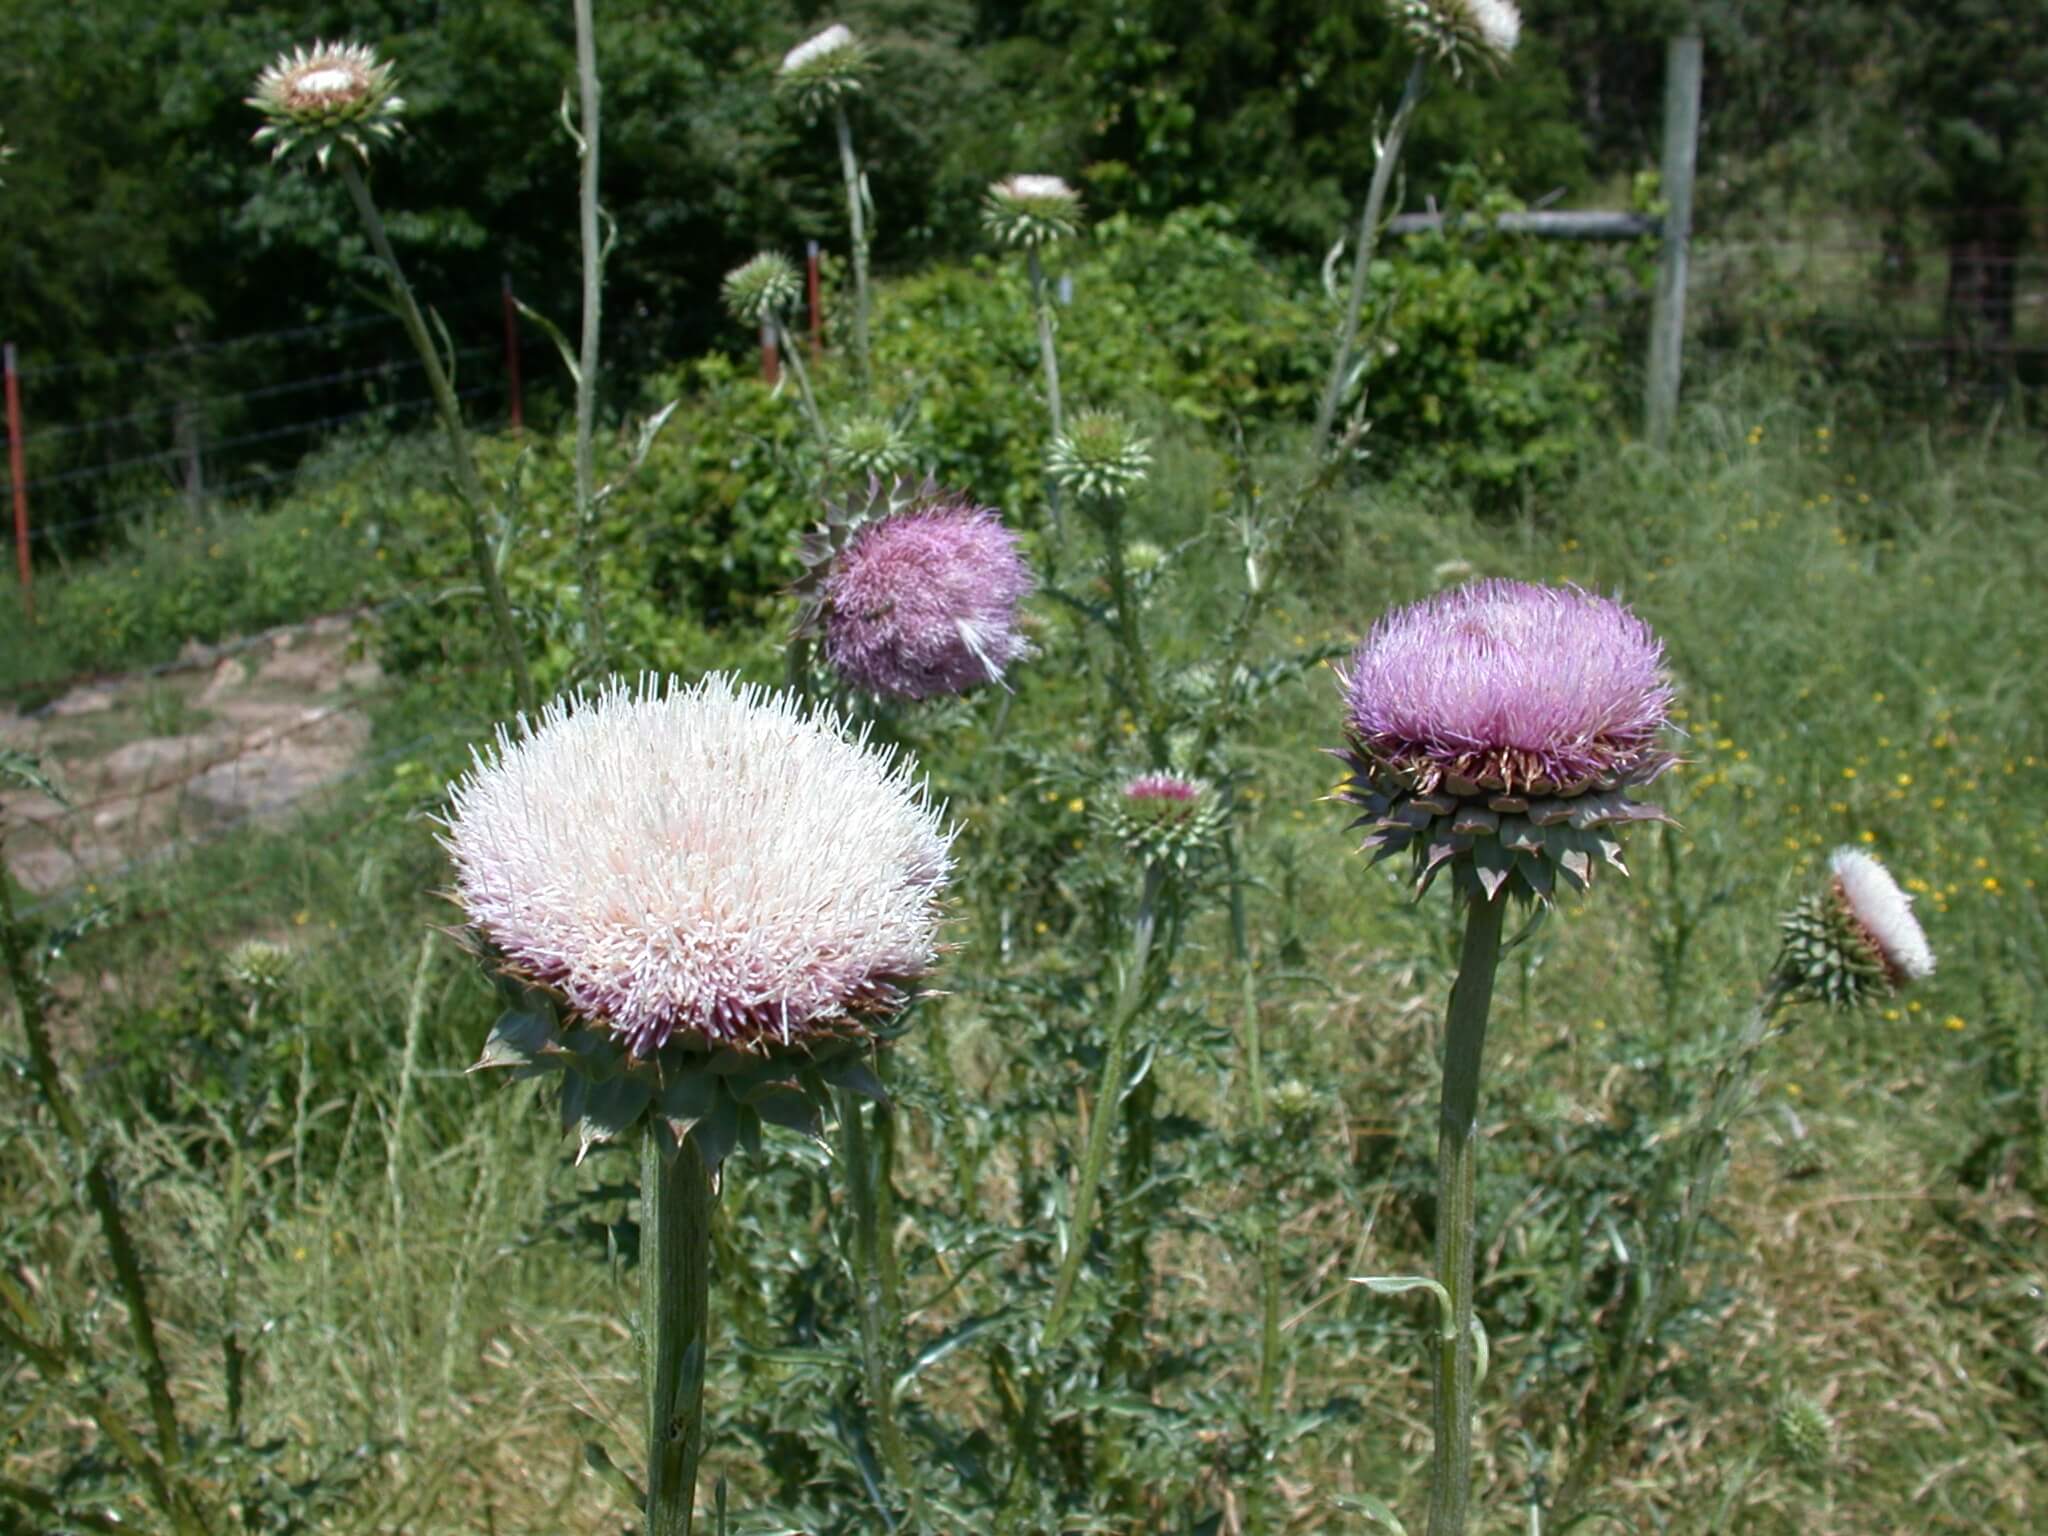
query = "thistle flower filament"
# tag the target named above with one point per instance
(1857, 940)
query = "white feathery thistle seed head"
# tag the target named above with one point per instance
(1883, 911)
(331, 94)
(710, 864)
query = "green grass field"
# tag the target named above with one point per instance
(396, 1306)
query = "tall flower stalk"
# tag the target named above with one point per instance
(590, 569)
(760, 292)
(340, 96)
(1030, 212)
(1460, 33)
(820, 73)
(1494, 731)
(1100, 460)
(705, 942)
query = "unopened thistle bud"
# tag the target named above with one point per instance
(1497, 729)
(820, 70)
(761, 289)
(1099, 455)
(1031, 210)
(333, 94)
(1166, 818)
(870, 446)
(1802, 1432)
(1462, 31)
(1856, 940)
(258, 967)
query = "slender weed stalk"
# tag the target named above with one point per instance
(590, 569)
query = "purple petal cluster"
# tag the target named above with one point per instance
(1510, 687)
(924, 602)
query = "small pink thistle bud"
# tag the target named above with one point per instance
(1498, 727)
(915, 593)
(1165, 818)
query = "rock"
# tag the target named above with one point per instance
(91, 699)
(273, 772)
(155, 761)
(229, 674)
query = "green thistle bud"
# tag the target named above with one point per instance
(258, 967)
(758, 290)
(1802, 1432)
(334, 94)
(819, 71)
(1099, 455)
(869, 446)
(1295, 1105)
(1462, 31)
(1856, 940)
(1165, 818)
(1031, 210)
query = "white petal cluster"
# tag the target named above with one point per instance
(1883, 911)
(709, 863)
(1034, 186)
(829, 41)
(1498, 23)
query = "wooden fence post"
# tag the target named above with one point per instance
(17, 472)
(771, 359)
(1682, 58)
(514, 399)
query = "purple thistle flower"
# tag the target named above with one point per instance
(923, 601)
(1499, 724)
(711, 865)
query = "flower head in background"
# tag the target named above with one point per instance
(820, 70)
(6, 150)
(1498, 727)
(1031, 210)
(1856, 940)
(914, 591)
(870, 447)
(761, 288)
(711, 866)
(1803, 1432)
(1100, 455)
(258, 968)
(1165, 818)
(1461, 31)
(333, 94)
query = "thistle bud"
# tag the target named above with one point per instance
(1802, 1432)
(1165, 818)
(1031, 210)
(870, 447)
(333, 94)
(1100, 455)
(759, 290)
(1856, 940)
(820, 70)
(258, 968)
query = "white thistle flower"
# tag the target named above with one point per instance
(824, 45)
(1884, 912)
(1483, 31)
(711, 864)
(1028, 210)
(333, 94)
(821, 69)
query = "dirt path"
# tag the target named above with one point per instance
(151, 759)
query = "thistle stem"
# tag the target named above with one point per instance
(880, 1326)
(1137, 664)
(792, 356)
(1361, 260)
(468, 483)
(1457, 1213)
(1041, 308)
(675, 1309)
(590, 571)
(856, 216)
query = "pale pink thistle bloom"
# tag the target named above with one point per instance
(1166, 818)
(923, 602)
(1499, 725)
(710, 865)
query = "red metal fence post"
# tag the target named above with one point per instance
(771, 358)
(17, 472)
(817, 311)
(512, 390)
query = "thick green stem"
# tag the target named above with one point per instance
(792, 356)
(1130, 638)
(675, 1315)
(856, 217)
(1041, 307)
(589, 568)
(1361, 260)
(880, 1327)
(27, 986)
(1457, 1216)
(469, 484)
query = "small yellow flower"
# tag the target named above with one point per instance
(1077, 805)
(1954, 1021)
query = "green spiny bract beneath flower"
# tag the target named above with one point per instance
(820, 70)
(870, 447)
(333, 94)
(1802, 1432)
(1165, 818)
(1855, 941)
(1031, 210)
(762, 288)
(1497, 729)
(1461, 31)
(1099, 455)
(258, 967)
